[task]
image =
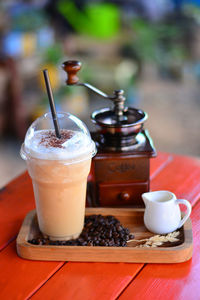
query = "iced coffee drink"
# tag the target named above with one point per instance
(59, 170)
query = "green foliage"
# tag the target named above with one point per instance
(30, 21)
(53, 54)
(150, 40)
(99, 20)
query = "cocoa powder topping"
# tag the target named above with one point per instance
(50, 140)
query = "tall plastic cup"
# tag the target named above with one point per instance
(59, 169)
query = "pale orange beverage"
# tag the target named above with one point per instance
(59, 171)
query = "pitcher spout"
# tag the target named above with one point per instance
(147, 197)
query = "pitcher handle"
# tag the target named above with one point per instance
(188, 211)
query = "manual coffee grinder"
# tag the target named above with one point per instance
(120, 170)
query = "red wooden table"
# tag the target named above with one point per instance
(22, 279)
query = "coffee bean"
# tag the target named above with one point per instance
(33, 241)
(84, 243)
(117, 243)
(111, 243)
(119, 228)
(124, 244)
(53, 243)
(109, 234)
(127, 230)
(115, 234)
(63, 243)
(102, 243)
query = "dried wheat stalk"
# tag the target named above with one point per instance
(157, 240)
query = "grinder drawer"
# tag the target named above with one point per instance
(122, 194)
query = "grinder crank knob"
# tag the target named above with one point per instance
(124, 196)
(71, 67)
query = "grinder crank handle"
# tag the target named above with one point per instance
(71, 67)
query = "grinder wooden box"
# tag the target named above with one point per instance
(119, 178)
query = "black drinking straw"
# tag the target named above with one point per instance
(52, 104)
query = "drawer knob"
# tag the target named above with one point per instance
(124, 196)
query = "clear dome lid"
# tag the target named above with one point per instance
(74, 145)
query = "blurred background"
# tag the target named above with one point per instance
(151, 49)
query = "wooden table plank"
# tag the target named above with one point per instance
(16, 200)
(159, 163)
(21, 278)
(173, 282)
(181, 176)
(89, 281)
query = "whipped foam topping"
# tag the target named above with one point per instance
(49, 138)
(72, 145)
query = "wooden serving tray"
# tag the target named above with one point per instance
(129, 217)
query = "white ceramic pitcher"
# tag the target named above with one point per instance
(162, 212)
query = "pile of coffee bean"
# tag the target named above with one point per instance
(98, 231)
